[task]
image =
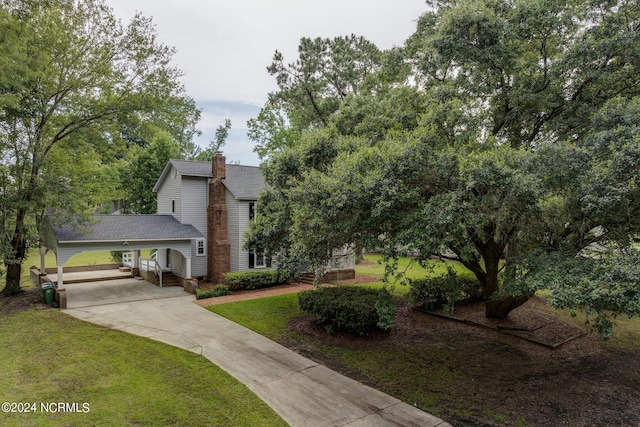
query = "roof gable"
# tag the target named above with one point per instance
(244, 182)
(192, 168)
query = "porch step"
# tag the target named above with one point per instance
(307, 278)
(169, 279)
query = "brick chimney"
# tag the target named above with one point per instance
(218, 166)
(218, 246)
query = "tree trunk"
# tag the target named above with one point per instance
(359, 253)
(13, 263)
(497, 308)
(500, 309)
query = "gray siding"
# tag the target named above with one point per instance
(195, 198)
(195, 192)
(194, 203)
(168, 191)
(243, 226)
(190, 195)
(198, 263)
(232, 230)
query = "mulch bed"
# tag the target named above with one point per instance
(529, 322)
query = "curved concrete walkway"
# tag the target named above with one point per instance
(302, 392)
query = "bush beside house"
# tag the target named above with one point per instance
(255, 279)
(218, 290)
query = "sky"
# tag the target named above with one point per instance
(224, 47)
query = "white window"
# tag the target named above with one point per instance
(256, 259)
(260, 259)
(201, 247)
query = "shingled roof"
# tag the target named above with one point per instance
(106, 228)
(192, 168)
(244, 182)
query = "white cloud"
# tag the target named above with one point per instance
(238, 147)
(224, 47)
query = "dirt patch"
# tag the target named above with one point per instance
(480, 375)
(28, 298)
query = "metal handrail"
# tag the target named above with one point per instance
(146, 262)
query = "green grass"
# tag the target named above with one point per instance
(409, 267)
(47, 356)
(625, 334)
(266, 316)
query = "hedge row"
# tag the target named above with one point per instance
(218, 290)
(353, 309)
(255, 279)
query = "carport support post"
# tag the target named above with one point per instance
(60, 281)
(43, 252)
(136, 260)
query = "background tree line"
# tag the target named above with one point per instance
(91, 110)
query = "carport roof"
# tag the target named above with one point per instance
(107, 228)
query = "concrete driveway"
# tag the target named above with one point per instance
(116, 291)
(301, 391)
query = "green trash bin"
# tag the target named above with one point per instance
(49, 292)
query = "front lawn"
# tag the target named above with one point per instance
(468, 375)
(48, 357)
(373, 266)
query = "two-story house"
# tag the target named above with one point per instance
(219, 200)
(204, 209)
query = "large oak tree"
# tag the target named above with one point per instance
(522, 158)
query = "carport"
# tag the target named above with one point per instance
(117, 233)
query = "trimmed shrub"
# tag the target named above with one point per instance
(386, 309)
(353, 309)
(255, 279)
(218, 290)
(443, 291)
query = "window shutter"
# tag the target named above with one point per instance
(252, 211)
(251, 260)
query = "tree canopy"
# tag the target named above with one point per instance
(78, 89)
(504, 135)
